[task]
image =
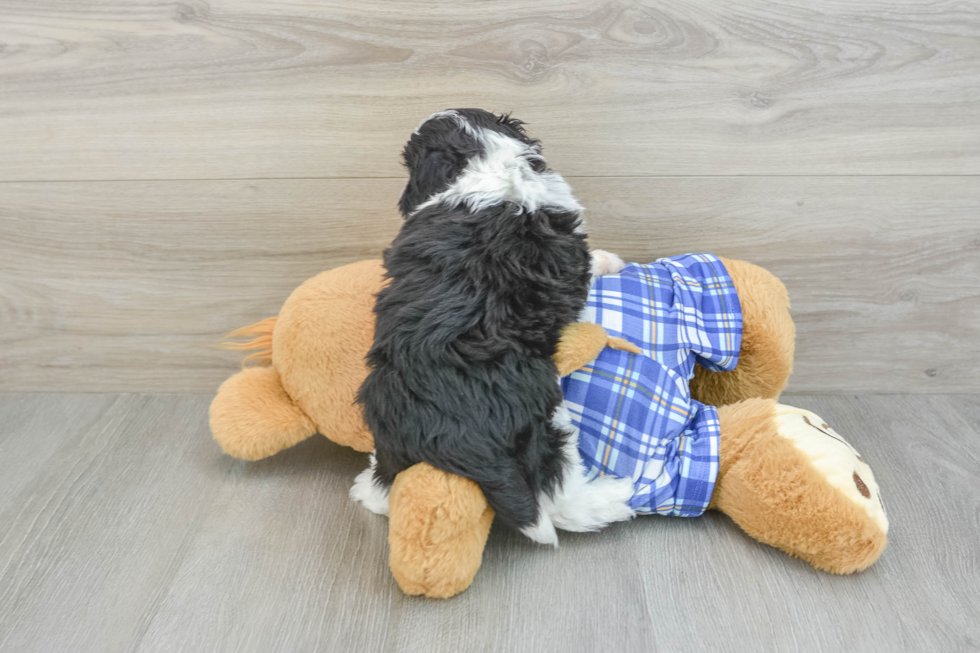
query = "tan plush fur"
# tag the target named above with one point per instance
(252, 417)
(317, 344)
(581, 343)
(314, 355)
(773, 492)
(323, 333)
(437, 530)
(768, 341)
(260, 345)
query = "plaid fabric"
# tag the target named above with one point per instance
(635, 412)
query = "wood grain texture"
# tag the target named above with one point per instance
(883, 274)
(125, 286)
(145, 89)
(126, 529)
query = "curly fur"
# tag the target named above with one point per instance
(490, 264)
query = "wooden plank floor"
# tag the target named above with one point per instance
(169, 171)
(125, 529)
(145, 89)
(129, 298)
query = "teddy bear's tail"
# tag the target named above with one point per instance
(260, 344)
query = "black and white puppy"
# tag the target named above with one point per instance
(490, 264)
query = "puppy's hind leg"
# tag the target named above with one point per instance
(511, 497)
(367, 491)
(543, 531)
(580, 504)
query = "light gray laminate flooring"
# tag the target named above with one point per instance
(124, 528)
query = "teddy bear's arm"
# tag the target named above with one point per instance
(581, 343)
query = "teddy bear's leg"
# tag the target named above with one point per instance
(437, 529)
(252, 417)
(789, 480)
(768, 340)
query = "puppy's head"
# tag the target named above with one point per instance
(477, 157)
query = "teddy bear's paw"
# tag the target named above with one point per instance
(604, 262)
(834, 458)
(368, 493)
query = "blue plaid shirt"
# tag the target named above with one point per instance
(635, 412)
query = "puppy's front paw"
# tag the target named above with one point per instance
(604, 262)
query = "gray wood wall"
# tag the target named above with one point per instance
(170, 171)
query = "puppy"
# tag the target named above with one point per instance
(490, 264)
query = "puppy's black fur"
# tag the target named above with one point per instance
(461, 375)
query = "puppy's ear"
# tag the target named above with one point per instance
(518, 127)
(430, 174)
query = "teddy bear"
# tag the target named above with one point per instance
(781, 473)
